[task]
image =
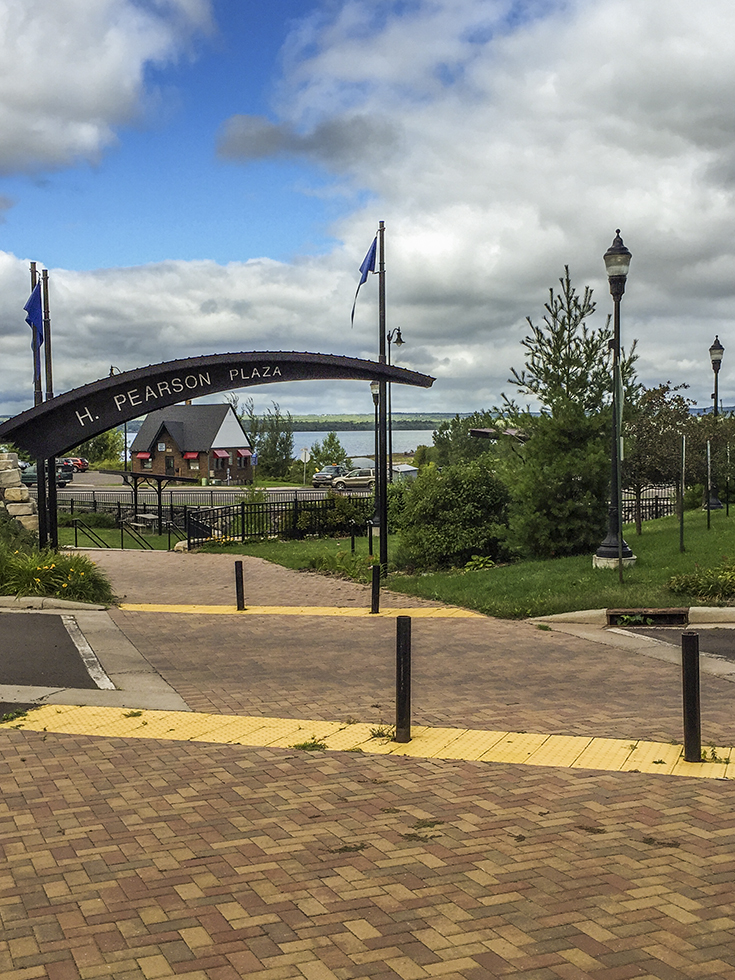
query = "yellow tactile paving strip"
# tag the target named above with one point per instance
(348, 611)
(525, 748)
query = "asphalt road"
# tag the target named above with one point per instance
(37, 651)
(718, 642)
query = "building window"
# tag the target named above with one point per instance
(193, 464)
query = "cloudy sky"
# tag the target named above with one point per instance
(204, 176)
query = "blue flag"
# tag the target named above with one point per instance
(368, 265)
(34, 309)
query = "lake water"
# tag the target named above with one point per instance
(363, 443)
(358, 443)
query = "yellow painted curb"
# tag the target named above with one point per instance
(519, 748)
(348, 611)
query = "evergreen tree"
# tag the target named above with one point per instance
(559, 481)
(271, 436)
(275, 443)
(559, 477)
(453, 442)
(329, 451)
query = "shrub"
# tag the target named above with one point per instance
(49, 573)
(109, 463)
(397, 501)
(358, 568)
(451, 515)
(707, 584)
(90, 517)
(694, 497)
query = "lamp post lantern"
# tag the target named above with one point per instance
(393, 337)
(614, 550)
(715, 355)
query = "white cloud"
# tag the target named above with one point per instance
(521, 135)
(71, 71)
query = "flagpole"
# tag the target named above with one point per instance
(37, 400)
(47, 335)
(53, 528)
(37, 392)
(382, 409)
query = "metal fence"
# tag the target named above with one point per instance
(655, 502)
(99, 500)
(295, 518)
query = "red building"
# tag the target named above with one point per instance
(206, 441)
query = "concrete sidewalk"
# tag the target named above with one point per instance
(134, 856)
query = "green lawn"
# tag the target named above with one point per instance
(531, 588)
(541, 588)
(111, 536)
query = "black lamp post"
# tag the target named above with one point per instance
(393, 337)
(375, 392)
(715, 355)
(614, 548)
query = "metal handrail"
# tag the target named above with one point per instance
(92, 535)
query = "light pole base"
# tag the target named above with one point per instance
(598, 562)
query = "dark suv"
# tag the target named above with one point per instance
(325, 477)
(64, 474)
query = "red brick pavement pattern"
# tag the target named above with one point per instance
(467, 673)
(173, 577)
(217, 862)
(478, 673)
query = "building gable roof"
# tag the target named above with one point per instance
(194, 428)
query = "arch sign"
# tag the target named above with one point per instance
(56, 426)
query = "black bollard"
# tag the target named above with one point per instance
(375, 604)
(690, 689)
(239, 589)
(403, 679)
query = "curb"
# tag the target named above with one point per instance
(696, 615)
(44, 602)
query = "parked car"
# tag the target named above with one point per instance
(64, 474)
(362, 479)
(79, 464)
(325, 477)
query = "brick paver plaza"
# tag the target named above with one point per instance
(143, 857)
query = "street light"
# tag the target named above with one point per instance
(715, 355)
(393, 337)
(614, 549)
(116, 370)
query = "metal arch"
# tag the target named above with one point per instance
(56, 426)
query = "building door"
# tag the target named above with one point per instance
(169, 466)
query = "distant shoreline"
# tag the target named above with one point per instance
(319, 425)
(366, 423)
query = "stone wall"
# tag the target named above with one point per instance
(14, 496)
